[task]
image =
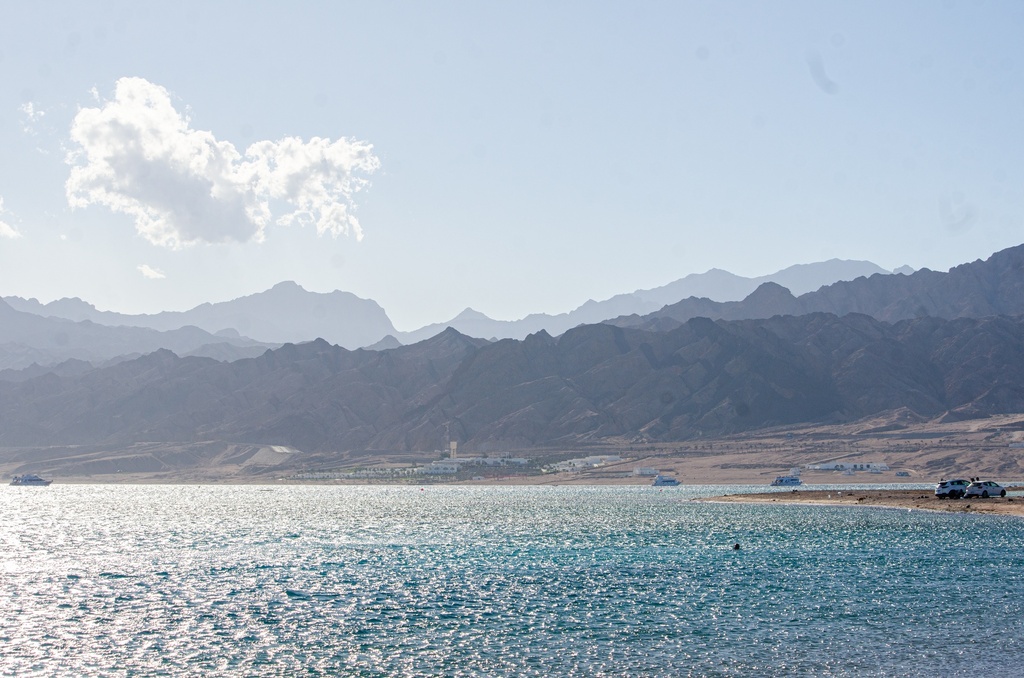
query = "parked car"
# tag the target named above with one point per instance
(985, 489)
(951, 489)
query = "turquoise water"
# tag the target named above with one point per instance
(570, 581)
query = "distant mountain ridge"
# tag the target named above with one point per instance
(714, 284)
(288, 313)
(981, 288)
(27, 339)
(284, 313)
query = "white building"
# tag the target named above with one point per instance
(445, 467)
(870, 467)
(584, 463)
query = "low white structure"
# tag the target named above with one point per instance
(571, 465)
(454, 465)
(319, 475)
(445, 467)
(870, 467)
(584, 463)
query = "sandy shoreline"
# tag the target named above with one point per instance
(923, 500)
(897, 448)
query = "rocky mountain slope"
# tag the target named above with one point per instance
(594, 383)
(977, 289)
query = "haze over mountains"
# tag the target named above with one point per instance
(288, 313)
(284, 313)
(714, 284)
(937, 345)
(981, 288)
(27, 339)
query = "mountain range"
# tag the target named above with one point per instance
(977, 289)
(942, 346)
(288, 313)
(594, 383)
(714, 284)
(284, 313)
(27, 339)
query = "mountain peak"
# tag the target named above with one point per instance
(769, 291)
(470, 314)
(287, 286)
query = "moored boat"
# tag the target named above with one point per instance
(31, 480)
(664, 481)
(786, 481)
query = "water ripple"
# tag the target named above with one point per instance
(491, 581)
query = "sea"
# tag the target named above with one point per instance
(161, 580)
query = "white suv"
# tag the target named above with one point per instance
(985, 489)
(951, 489)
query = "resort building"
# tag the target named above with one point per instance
(870, 467)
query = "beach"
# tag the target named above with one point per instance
(897, 499)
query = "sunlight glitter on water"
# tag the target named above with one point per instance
(490, 581)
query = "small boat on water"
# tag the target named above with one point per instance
(786, 481)
(30, 479)
(664, 481)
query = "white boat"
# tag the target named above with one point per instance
(30, 479)
(664, 481)
(786, 481)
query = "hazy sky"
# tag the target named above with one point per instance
(514, 157)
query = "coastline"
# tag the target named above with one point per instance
(893, 449)
(921, 500)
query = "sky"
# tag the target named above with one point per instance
(513, 157)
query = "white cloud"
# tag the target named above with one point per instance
(148, 271)
(139, 156)
(6, 230)
(32, 117)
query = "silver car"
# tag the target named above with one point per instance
(985, 489)
(951, 489)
